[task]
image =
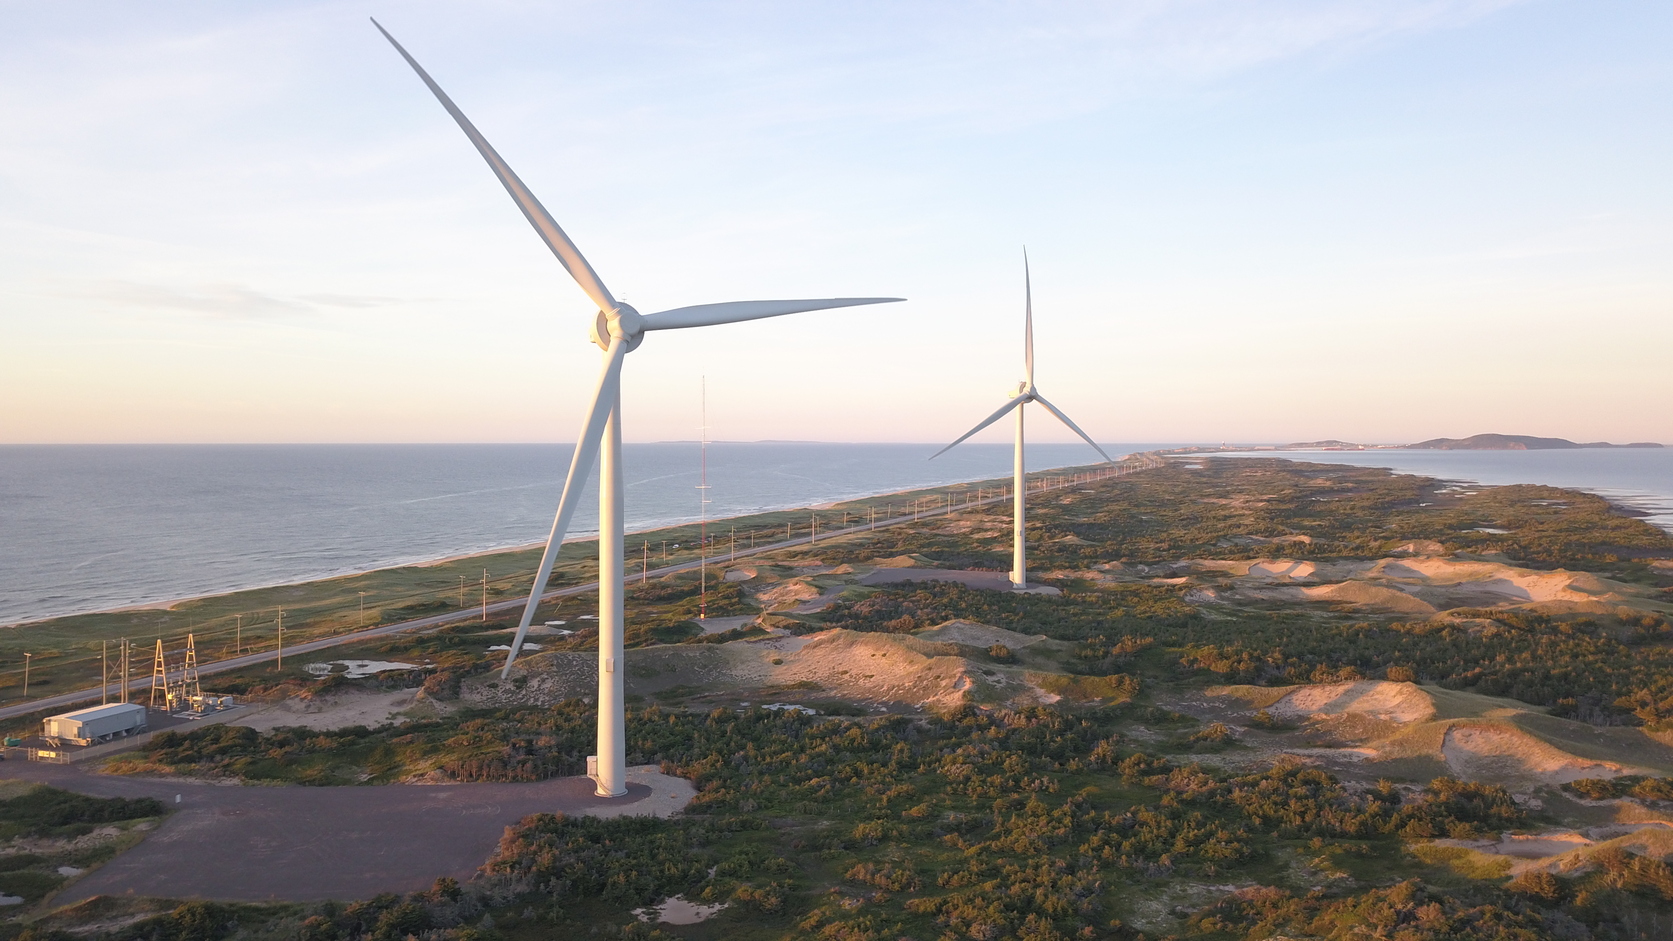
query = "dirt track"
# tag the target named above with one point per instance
(311, 843)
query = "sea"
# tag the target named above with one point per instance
(95, 527)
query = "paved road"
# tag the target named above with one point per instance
(303, 844)
(354, 637)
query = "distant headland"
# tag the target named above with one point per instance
(1516, 443)
(1487, 442)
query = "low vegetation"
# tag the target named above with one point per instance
(1105, 814)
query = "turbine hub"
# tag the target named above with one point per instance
(624, 322)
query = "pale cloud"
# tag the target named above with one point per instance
(228, 301)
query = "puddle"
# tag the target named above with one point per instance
(70, 871)
(678, 911)
(791, 707)
(355, 669)
(11, 900)
(526, 646)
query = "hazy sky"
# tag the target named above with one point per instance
(1268, 221)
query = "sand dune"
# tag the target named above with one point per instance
(930, 670)
(1505, 752)
(1474, 737)
(1415, 585)
(1394, 702)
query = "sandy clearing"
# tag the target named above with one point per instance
(338, 711)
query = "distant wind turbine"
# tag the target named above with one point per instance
(618, 329)
(1025, 392)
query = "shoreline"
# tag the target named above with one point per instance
(1656, 509)
(431, 561)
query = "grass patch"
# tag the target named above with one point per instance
(1462, 860)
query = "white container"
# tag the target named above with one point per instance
(96, 723)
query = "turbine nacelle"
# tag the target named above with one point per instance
(623, 322)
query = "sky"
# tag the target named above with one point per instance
(1375, 220)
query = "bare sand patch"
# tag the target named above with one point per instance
(787, 594)
(1495, 751)
(1370, 596)
(1412, 584)
(678, 911)
(1376, 699)
(974, 634)
(337, 711)
(1282, 568)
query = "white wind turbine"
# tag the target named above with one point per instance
(1025, 393)
(617, 330)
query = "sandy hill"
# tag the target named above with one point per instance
(1410, 584)
(1419, 731)
(937, 668)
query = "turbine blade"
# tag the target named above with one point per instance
(568, 255)
(580, 467)
(708, 315)
(1028, 319)
(1072, 426)
(985, 422)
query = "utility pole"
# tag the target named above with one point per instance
(873, 517)
(734, 544)
(362, 608)
(461, 591)
(664, 552)
(125, 656)
(104, 672)
(237, 635)
(813, 529)
(645, 563)
(281, 665)
(26, 658)
(484, 594)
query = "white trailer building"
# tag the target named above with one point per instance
(96, 724)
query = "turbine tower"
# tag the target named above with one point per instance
(617, 330)
(1025, 393)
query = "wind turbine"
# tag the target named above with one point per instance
(1025, 392)
(617, 329)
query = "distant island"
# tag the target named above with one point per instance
(1515, 443)
(1489, 442)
